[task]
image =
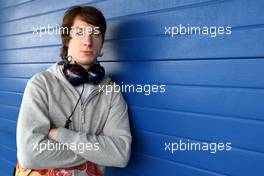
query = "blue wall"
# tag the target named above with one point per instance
(214, 86)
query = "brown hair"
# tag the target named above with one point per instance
(89, 14)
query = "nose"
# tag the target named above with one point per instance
(88, 40)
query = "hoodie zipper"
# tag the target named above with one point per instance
(94, 92)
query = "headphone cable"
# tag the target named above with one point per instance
(68, 122)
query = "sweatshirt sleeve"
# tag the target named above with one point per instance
(114, 143)
(32, 133)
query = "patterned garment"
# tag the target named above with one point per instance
(85, 169)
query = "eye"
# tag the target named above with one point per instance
(96, 33)
(79, 34)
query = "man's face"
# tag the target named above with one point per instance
(85, 45)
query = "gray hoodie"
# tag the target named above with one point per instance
(101, 123)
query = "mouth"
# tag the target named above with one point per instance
(87, 52)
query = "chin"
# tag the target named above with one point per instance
(87, 61)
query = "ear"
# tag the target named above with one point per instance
(101, 54)
(66, 42)
(69, 58)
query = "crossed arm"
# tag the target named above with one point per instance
(33, 128)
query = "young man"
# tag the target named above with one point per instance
(68, 124)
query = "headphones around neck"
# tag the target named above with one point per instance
(78, 75)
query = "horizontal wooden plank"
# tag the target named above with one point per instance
(242, 43)
(245, 73)
(9, 112)
(110, 10)
(4, 173)
(241, 133)
(37, 8)
(29, 40)
(240, 103)
(8, 154)
(118, 172)
(8, 140)
(234, 162)
(7, 167)
(31, 55)
(7, 125)
(141, 165)
(24, 70)
(10, 3)
(13, 84)
(11, 99)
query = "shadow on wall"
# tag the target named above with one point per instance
(128, 48)
(127, 45)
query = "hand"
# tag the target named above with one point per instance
(53, 133)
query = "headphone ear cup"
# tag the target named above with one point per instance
(96, 73)
(75, 74)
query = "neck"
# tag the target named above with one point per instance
(86, 67)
